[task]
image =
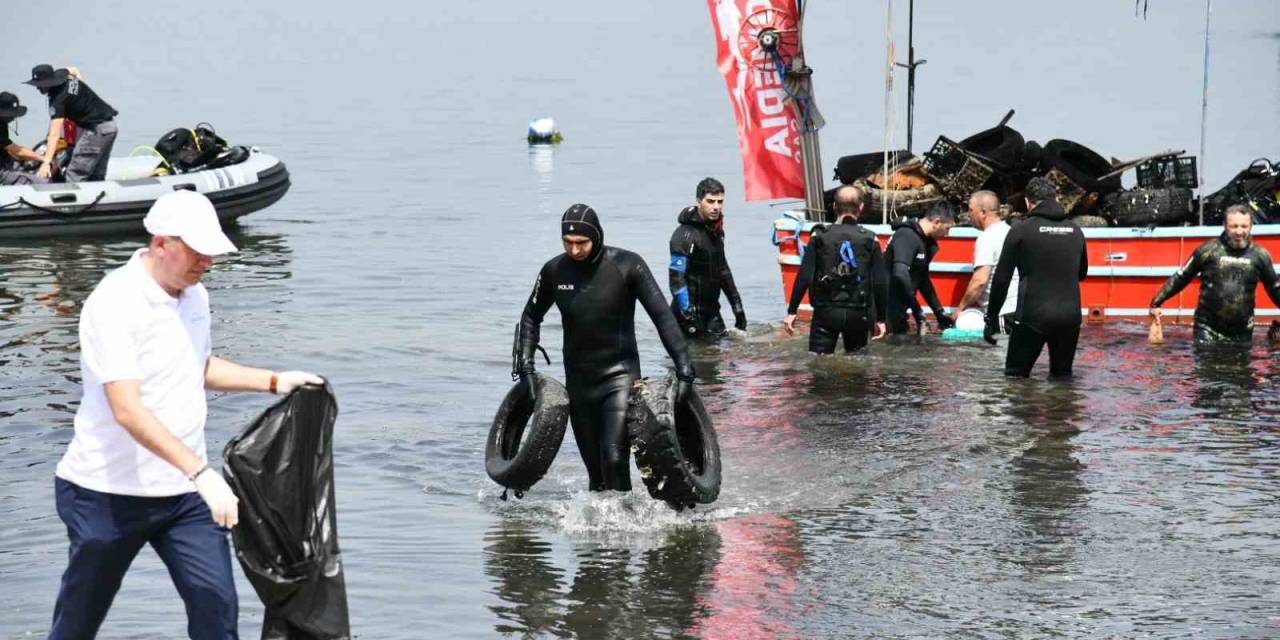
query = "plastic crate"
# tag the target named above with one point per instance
(957, 171)
(1168, 172)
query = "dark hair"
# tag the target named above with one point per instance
(1039, 189)
(1237, 210)
(709, 186)
(941, 212)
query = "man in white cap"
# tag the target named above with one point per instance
(136, 471)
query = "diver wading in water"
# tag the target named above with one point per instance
(844, 270)
(596, 288)
(1049, 253)
(1230, 268)
(699, 270)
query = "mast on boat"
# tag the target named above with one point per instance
(800, 77)
(1204, 103)
(910, 66)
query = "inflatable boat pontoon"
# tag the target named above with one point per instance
(117, 205)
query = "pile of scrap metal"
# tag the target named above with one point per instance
(900, 184)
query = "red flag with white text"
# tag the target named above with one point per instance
(768, 131)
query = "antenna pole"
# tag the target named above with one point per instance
(911, 69)
(1204, 103)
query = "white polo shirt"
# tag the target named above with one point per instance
(130, 329)
(986, 253)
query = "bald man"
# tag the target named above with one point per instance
(984, 215)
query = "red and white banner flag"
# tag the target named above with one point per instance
(768, 131)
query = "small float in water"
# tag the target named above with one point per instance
(542, 130)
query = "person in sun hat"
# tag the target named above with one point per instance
(10, 109)
(136, 471)
(70, 98)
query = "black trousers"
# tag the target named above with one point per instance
(1025, 345)
(598, 413)
(829, 323)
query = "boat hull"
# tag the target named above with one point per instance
(1126, 266)
(114, 207)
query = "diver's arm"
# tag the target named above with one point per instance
(646, 290)
(678, 268)
(1003, 276)
(931, 296)
(530, 328)
(879, 282)
(1267, 276)
(19, 152)
(729, 287)
(1084, 256)
(803, 278)
(1182, 277)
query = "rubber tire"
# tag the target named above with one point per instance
(1001, 144)
(1081, 164)
(517, 460)
(907, 202)
(1090, 221)
(678, 456)
(1170, 206)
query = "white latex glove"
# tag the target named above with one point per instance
(221, 500)
(290, 380)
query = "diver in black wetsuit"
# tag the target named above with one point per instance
(596, 287)
(699, 270)
(845, 270)
(1049, 253)
(911, 249)
(1230, 268)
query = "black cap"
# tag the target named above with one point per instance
(9, 106)
(581, 220)
(43, 75)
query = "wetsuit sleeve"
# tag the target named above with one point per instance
(530, 329)
(676, 270)
(1084, 256)
(1267, 276)
(1182, 277)
(1003, 275)
(650, 296)
(879, 282)
(804, 278)
(729, 287)
(930, 295)
(902, 278)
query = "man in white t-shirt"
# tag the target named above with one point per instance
(984, 215)
(136, 471)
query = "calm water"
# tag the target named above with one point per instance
(910, 492)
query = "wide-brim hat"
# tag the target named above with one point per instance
(9, 106)
(43, 75)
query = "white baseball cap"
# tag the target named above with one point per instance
(190, 216)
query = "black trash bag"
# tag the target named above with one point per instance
(281, 468)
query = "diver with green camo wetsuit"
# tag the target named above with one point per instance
(1230, 267)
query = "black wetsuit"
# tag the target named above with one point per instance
(1228, 279)
(1048, 250)
(698, 273)
(843, 269)
(908, 256)
(597, 302)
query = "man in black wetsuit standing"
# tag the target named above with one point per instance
(1048, 251)
(596, 288)
(911, 249)
(699, 270)
(1230, 268)
(843, 269)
